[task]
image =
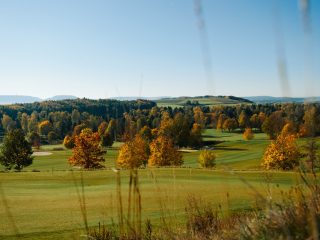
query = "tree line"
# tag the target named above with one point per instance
(52, 121)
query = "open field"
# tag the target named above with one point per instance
(205, 101)
(46, 203)
(42, 202)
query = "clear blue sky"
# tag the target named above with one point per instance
(107, 48)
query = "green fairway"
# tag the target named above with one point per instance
(42, 201)
(46, 203)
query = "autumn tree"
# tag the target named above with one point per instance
(207, 159)
(195, 135)
(15, 151)
(87, 151)
(102, 128)
(163, 153)
(77, 129)
(309, 126)
(199, 116)
(146, 133)
(255, 121)
(33, 122)
(230, 124)
(248, 134)
(273, 124)
(68, 142)
(222, 117)
(283, 153)
(112, 129)
(45, 127)
(166, 125)
(243, 120)
(134, 153)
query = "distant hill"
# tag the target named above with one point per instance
(201, 101)
(12, 99)
(61, 97)
(132, 98)
(269, 99)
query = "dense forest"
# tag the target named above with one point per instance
(52, 121)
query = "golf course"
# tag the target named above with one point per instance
(45, 200)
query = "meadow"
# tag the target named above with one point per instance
(43, 201)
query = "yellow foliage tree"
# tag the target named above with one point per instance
(133, 153)
(207, 159)
(163, 153)
(248, 134)
(283, 153)
(87, 151)
(68, 142)
(45, 127)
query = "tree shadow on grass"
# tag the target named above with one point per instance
(229, 148)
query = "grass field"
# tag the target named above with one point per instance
(42, 202)
(209, 101)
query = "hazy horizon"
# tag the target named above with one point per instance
(107, 49)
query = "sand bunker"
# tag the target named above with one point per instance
(41, 153)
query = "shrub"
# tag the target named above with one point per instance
(207, 159)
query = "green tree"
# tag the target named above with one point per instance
(34, 139)
(7, 123)
(52, 137)
(16, 151)
(195, 135)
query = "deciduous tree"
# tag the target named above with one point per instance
(68, 142)
(87, 151)
(283, 153)
(207, 159)
(134, 153)
(163, 153)
(248, 134)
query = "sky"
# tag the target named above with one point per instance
(109, 48)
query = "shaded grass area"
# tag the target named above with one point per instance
(45, 203)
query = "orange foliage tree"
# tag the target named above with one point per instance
(134, 153)
(163, 153)
(248, 134)
(87, 151)
(283, 153)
